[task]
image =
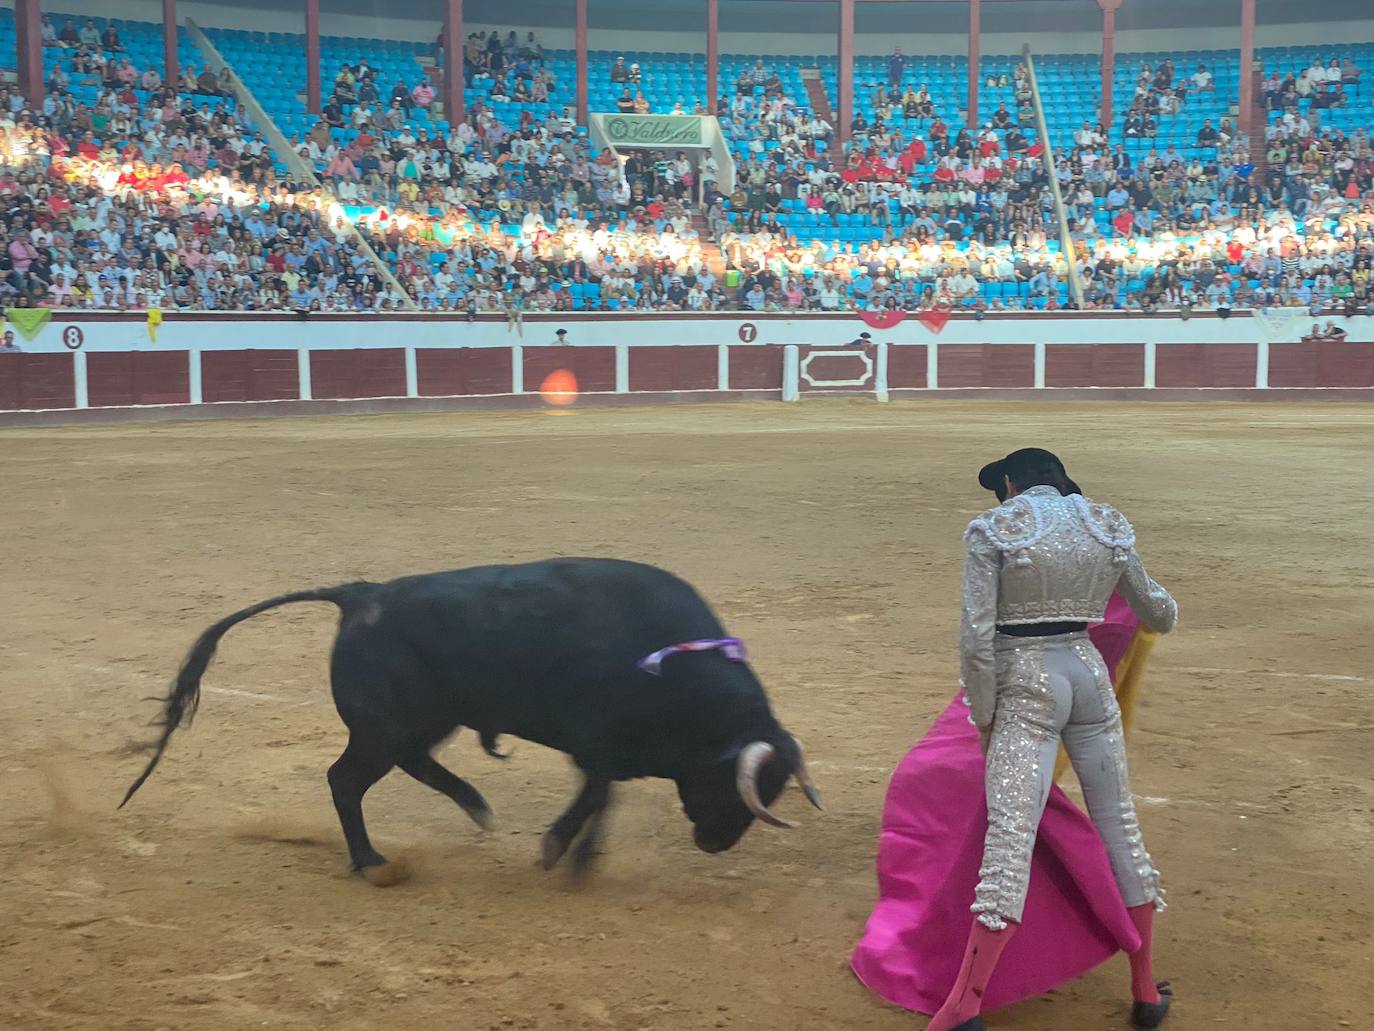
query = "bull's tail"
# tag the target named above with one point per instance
(179, 707)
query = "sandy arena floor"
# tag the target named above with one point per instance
(827, 534)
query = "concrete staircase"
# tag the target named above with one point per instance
(714, 258)
(816, 96)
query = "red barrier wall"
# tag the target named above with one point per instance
(48, 380)
(594, 367)
(906, 367)
(115, 379)
(1205, 365)
(1321, 363)
(987, 365)
(674, 368)
(834, 367)
(249, 375)
(756, 368)
(1095, 365)
(479, 370)
(361, 372)
(37, 381)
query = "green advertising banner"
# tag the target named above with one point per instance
(653, 130)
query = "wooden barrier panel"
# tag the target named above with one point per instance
(1321, 363)
(249, 376)
(358, 372)
(115, 379)
(837, 368)
(1206, 365)
(594, 367)
(756, 368)
(1095, 365)
(986, 365)
(441, 372)
(906, 366)
(673, 368)
(36, 381)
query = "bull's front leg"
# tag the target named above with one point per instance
(587, 808)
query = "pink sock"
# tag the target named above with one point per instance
(1142, 974)
(980, 960)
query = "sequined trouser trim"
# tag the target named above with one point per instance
(1050, 689)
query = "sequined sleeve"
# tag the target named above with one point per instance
(1151, 602)
(977, 672)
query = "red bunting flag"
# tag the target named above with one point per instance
(883, 319)
(935, 319)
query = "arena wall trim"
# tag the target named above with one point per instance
(110, 361)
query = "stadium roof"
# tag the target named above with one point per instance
(873, 16)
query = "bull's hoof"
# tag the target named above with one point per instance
(584, 856)
(388, 874)
(482, 817)
(551, 850)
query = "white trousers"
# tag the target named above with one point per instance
(1051, 689)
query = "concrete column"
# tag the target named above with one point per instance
(455, 107)
(81, 383)
(582, 70)
(844, 82)
(412, 373)
(712, 55)
(975, 20)
(194, 380)
(1247, 63)
(313, 102)
(791, 372)
(1109, 9)
(171, 62)
(28, 25)
(303, 385)
(722, 367)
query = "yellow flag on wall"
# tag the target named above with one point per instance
(29, 321)
(154, 320)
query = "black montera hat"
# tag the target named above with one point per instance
(1023, 465)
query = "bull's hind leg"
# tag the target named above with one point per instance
(429, 772)
(585, 849)
(349, 779)
(588, 807)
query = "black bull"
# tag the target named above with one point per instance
(546, 652)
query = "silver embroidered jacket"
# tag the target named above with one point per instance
(1045, 558)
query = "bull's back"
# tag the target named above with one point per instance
(544, 650)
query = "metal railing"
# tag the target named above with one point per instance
(1052, 172)
(301, 169)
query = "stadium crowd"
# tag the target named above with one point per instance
(160, 195)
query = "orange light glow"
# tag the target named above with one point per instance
(559, 388)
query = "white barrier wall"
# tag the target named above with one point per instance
(113, 361)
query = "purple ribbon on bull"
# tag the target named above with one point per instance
(731, 647)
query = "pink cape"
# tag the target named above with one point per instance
(928, 858)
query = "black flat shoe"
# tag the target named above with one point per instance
(976, 1024)
(1152, 1014)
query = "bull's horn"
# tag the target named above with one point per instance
(803, 775)
(751, 760)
